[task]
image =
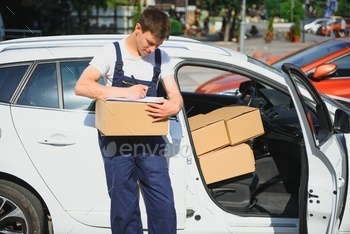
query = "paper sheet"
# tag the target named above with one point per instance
(146, 99)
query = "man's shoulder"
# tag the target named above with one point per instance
(163, 53)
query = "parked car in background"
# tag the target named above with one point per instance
(333, 28)
(290, 178)
(314, 24)
(325, 63)
(315, 29)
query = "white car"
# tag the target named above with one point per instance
(51, 172)
(314, 25)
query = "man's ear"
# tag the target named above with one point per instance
(138, 27)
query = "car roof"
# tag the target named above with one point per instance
(79, 46)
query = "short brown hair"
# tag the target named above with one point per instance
(156, 22)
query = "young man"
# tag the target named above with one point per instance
(137, 162)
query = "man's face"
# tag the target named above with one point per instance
(147, 43)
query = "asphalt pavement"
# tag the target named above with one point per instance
(257, 47)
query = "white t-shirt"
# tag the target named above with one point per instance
(141, 67)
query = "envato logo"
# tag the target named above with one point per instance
(162, 149)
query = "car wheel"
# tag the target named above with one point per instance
(319, 31)
(20, 210)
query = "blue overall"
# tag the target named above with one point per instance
(135, 162)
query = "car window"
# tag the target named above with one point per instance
(191, 77)
(314, 107)
(313, 53)
(9, 80)
(70, 73)
(41, 88)
(342, 66)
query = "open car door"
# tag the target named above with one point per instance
(323, 172)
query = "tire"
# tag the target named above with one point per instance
(20, 210)
(319, 31)
(336, 33)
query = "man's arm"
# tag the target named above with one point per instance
(169, 107)
(88, 86)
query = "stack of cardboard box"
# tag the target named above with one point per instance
(220, 140)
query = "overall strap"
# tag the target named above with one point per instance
(156, 72)
(156, 68)
(118, 68)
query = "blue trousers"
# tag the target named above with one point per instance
(138, 164)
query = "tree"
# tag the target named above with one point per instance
(137, 13)
(343, 8)
(99, 4)
(114, 5)
(230, 11)
(291, 12)
(271, 9)
(81, 6)
(84, 6)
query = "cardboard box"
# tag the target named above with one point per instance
(242, 122)
(227, 162)
(207, 135)
(127, 118)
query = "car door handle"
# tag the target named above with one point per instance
(56, 139)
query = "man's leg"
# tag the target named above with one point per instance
(157, 193)
(121, 176)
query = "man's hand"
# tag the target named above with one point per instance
(136, 91)
(161, 110)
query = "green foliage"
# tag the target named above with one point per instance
(269, 32)
(137, 13)
(343, 8)
(218, 5)
(113, 3)
(271, 7)
(290, 12)
(317, 12)
(270, 25)
(297, 29)
(238, 29)
(176, 27)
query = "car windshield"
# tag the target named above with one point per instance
(264, 65)
(309, 20)
(313, 53)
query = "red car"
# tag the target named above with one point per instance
(333, 27)
(326, 63)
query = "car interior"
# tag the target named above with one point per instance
(273, 188)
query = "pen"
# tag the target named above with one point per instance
(134, 79)
(131, 84)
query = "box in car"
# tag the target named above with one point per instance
(122, 117)
(242, 122)
(207, 134)
(228, 162)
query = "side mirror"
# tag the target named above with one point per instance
(341, 121)
(324, 70)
